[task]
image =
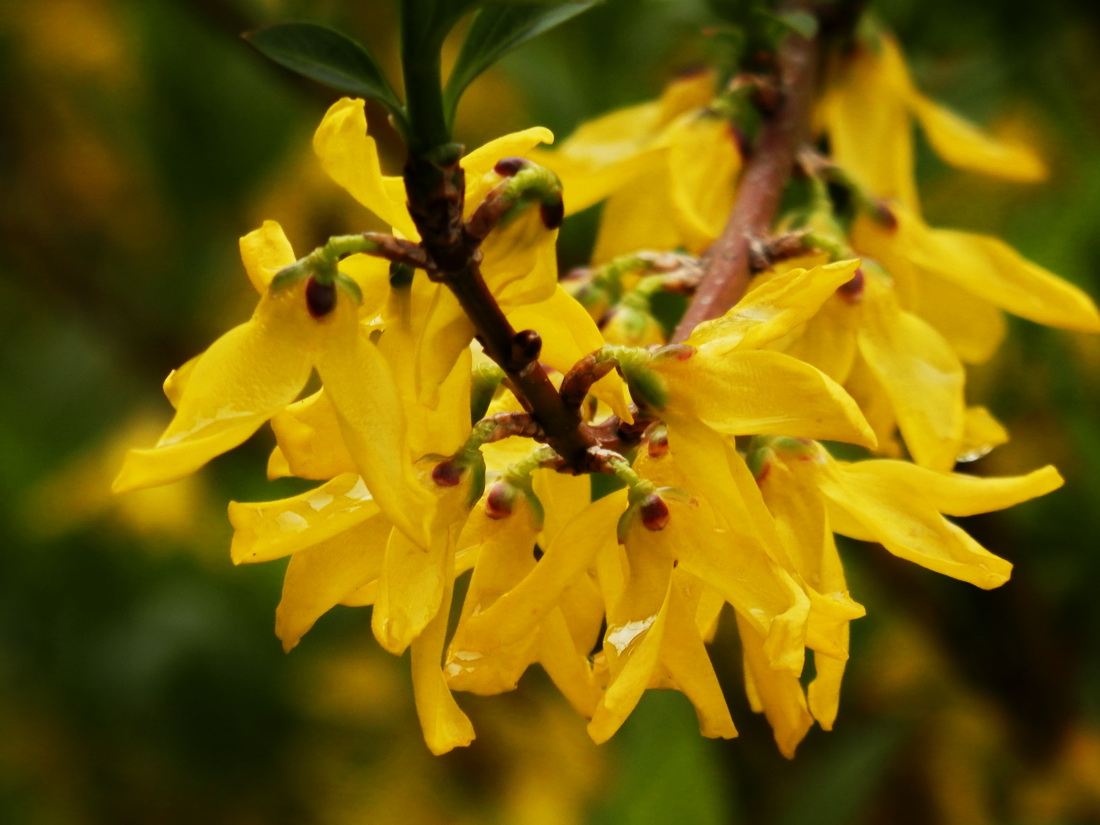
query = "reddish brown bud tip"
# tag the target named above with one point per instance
(852, 291)
(658, 444)
(526, 346)
(885, 216)
(500, 500)
(654, 512)
(320, 298)
(447, 473)
(506, 167)
(552, 213)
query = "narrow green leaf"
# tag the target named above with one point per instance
(498, 28)
(328, 57)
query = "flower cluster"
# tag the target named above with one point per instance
(433, 460)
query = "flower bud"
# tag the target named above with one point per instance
(653, 512)
(852, 291)
(501, 500)
(320, 297)
(448, 473)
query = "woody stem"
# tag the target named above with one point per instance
(436, 192)
(728, 262)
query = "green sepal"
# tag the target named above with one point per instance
(476, 468)
(348, 285)
(498, 28)
(287, 277)
(484, 380)
(329, 57)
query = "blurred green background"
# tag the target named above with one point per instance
(140, 679)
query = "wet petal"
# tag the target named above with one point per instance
(411, 589)
(319, 577)
(243, 379)
(268, 530)
(358, 381)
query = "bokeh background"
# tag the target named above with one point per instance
(140, 678)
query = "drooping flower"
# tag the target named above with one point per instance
(868, 110)
(257, 369)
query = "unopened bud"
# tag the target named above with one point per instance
(885, 216)
(852, 291)
(320, 298)
(552, 211)
(654, 512)
(501, 500)
(447, 473)
(526, 346)
(507, 167)
(658, 443)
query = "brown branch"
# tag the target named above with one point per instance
(728, 262)
(436, 194)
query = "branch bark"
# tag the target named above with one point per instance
(728, 262)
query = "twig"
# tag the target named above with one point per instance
(728, 262)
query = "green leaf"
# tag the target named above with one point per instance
(498, 28)
(328, 57)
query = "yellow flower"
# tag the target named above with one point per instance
(724, 382)
(519, 261)
(930, 262)
(901, 505)
(867, 113)
(667, 168)
(260, 367)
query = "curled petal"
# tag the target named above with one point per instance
(350, 157)
(268, 530)
(310, 441)
(320, 577)
(244, 378)
(265, 251)
(775, 307)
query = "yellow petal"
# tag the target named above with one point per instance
(479, 164)
(350, 157)
(410, 592)
(774, 307)
(963, 145)
(568, 334)
(909, 526)
(824, 691)
(704, 161)
(268, 530)
(866, 115)
(981, 435)
(243, 379)
(959, 494)
(372, 275)
(920, 374)
(319, 577)
(358, 381)
(686, 664)
(310, 440)
(443, 723)
(265, 251)
(517, 612)
(991, 269)
(520, 264)
(778, 693)
(760, 393)
(637, 217)
(971, 325)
